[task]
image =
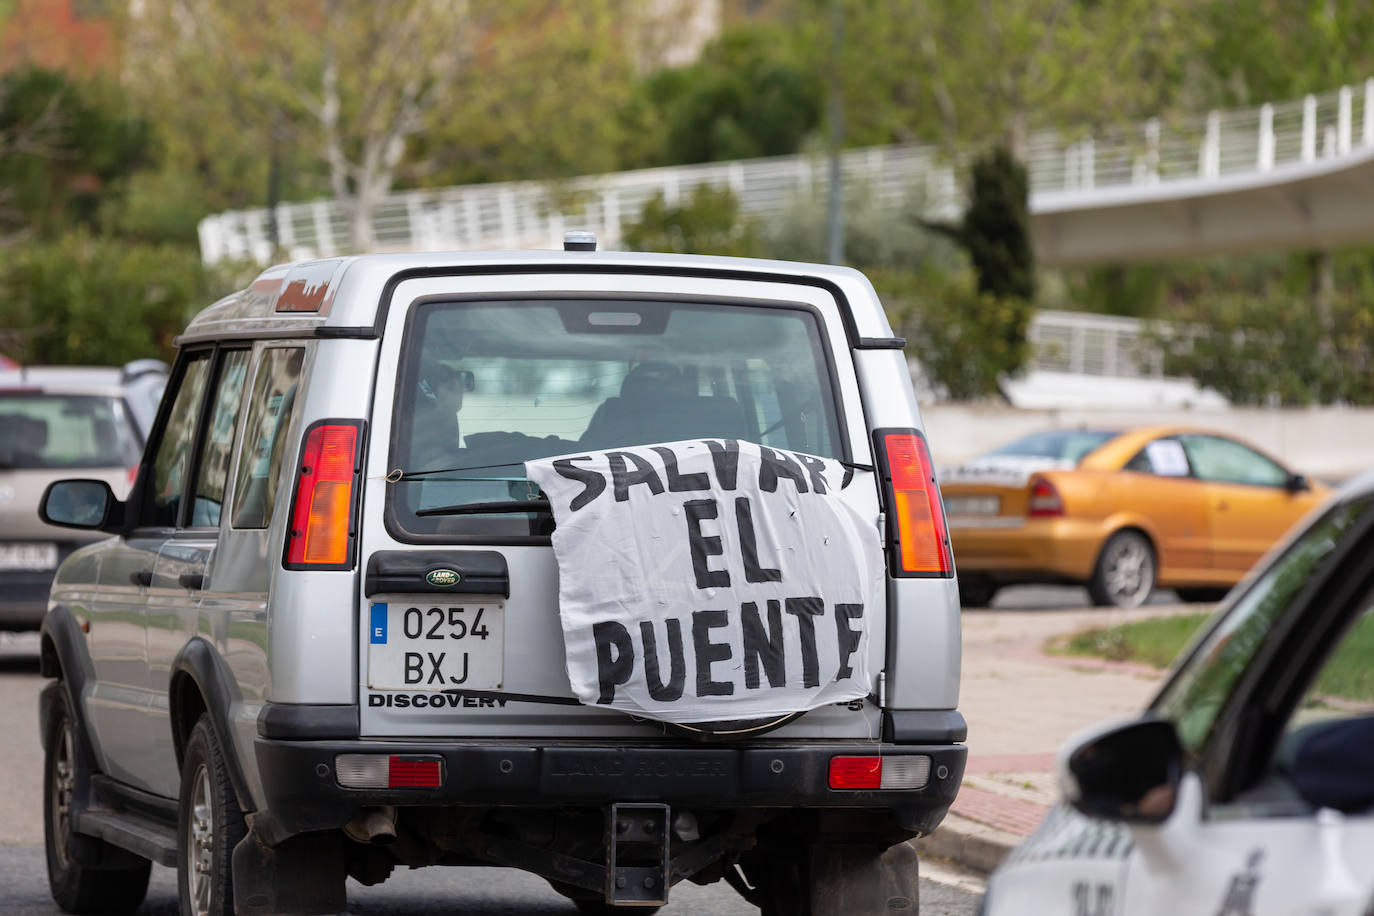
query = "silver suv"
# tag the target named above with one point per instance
(56, 421)
(620, 569)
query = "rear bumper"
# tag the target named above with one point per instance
(1037, 549)
(302, 792)
(24, 598)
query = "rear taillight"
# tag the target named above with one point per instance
(388, 771)
(1044, 499)
(907, 772)
(321, 535)
(913, 499)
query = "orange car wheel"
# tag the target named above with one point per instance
(1126, 571)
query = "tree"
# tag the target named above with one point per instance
(64, 148)
(353, 96)
(709, 223)
(750, 94)
(349, 80)
(969, 74)
(996, 227)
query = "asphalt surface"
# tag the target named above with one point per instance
(484, 891)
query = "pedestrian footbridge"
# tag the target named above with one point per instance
(1297, 174)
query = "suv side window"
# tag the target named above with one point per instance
(269, 414)
(213, 473)
(172, 455)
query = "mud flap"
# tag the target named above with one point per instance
(304, 874)
(637, 854)
(848, 878)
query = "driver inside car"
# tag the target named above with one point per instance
(435, 432)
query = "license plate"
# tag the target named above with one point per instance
(972, 505)
(418, 643)
(28, 556)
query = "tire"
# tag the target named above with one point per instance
(836, 879)
(209, 825)
(976, 592)
(78, 887)
(1125, 573)
(1201, 593)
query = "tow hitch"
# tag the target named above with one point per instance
(637, 860)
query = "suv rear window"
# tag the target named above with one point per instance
(40, 430)
(485, 386)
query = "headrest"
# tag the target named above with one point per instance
(655, 379)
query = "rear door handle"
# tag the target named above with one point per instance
(143, 578)
(193, 581)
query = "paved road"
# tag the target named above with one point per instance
(485, 891)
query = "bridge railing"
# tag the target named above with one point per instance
(1063, 169)
(1221, 143)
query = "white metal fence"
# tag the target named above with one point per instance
(1062, 170)
(1090, 344)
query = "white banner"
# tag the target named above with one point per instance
(711, 579)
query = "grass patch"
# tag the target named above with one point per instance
(1346, 675)
(1151, 642)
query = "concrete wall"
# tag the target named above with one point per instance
(1330, 443)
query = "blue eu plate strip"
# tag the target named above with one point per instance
(379, 624)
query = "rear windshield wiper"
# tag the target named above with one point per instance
(540, 506)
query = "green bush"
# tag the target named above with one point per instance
(966, 341)
(875, 236)
(709, 223)
(87, 300)
(1275, 349)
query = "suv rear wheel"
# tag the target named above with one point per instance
(833, 878)
(79, 887)
(209, 826)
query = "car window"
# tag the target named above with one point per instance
(39, 430)
(1327, 746)
(1164, 457)
(1226, 461)
(167, 480)
(1195, 695)
(269, 414)
(1063, 444)
(213, 473)
(486, 386)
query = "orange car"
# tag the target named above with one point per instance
(1119, 512)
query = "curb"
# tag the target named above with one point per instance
(974, 846)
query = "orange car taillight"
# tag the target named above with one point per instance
(322, 535)
(916, 517)
(1044, 499)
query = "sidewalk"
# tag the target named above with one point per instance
(1022, 705)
